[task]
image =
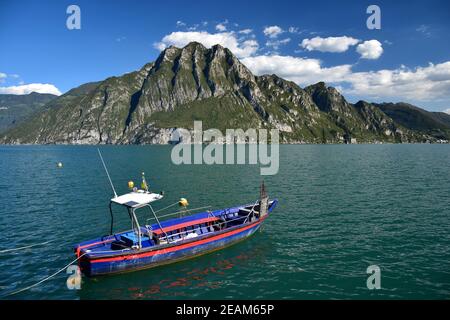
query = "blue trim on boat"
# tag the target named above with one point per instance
(99, 258)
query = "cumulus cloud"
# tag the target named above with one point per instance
(294, 30)
(430, 83)
(330, 44)
(227, 39)
(246, 31)
(2, 77)
(447, 111)
(273, 31)
(275, 44)
(221, 27)
(300, 70)
(422, 83)
(32, 87)
(370, 49)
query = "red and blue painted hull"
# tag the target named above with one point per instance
(168, 255)
(96, 263)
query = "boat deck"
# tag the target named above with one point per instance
(174, 230)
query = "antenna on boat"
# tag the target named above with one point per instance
(107, 173)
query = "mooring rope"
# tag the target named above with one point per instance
(173, 204)
(46, 278)
(26, 247)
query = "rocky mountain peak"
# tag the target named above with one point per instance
(212, 85)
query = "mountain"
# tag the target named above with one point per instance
(436, 124)
(212, 85)
(361, 121)
(14, 109)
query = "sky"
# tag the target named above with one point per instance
(407, 59)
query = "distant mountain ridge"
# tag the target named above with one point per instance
(14, 109)
(436, 124)
(212, 85)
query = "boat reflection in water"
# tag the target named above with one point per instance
(203, 277)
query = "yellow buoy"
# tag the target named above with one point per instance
(183, 202)
(130, 184)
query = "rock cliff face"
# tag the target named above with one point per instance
(212, 85)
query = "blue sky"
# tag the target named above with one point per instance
(407, 60)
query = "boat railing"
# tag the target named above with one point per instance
(252, 210)
(175, 213)
(182, 233)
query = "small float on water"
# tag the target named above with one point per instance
(164, 242)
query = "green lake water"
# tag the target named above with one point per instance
(341, 209)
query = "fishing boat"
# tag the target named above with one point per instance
(163, 242)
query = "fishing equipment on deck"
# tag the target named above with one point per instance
(264, 201)
(144, 185)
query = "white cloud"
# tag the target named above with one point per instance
(32, 87)
(294, 30)
(430, 83)
(370, 49)
(275, 44)
(246, 31)
(424, 29)
(194, 27)
(273, 31)
(447, 111)
(2, 77)
(421, 83)
(221, 27)
(180, 23)
(227, 39)
(330, 44)
(300, 70)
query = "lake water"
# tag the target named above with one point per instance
(341, 209)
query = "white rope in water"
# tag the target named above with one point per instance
(45, 279)
(167, 207)
(26, 247)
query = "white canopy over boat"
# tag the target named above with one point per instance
(137, 199)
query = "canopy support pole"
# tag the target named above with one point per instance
(112, 218)
(157, 220)
(138, 228)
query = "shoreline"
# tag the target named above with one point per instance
(169, 144)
